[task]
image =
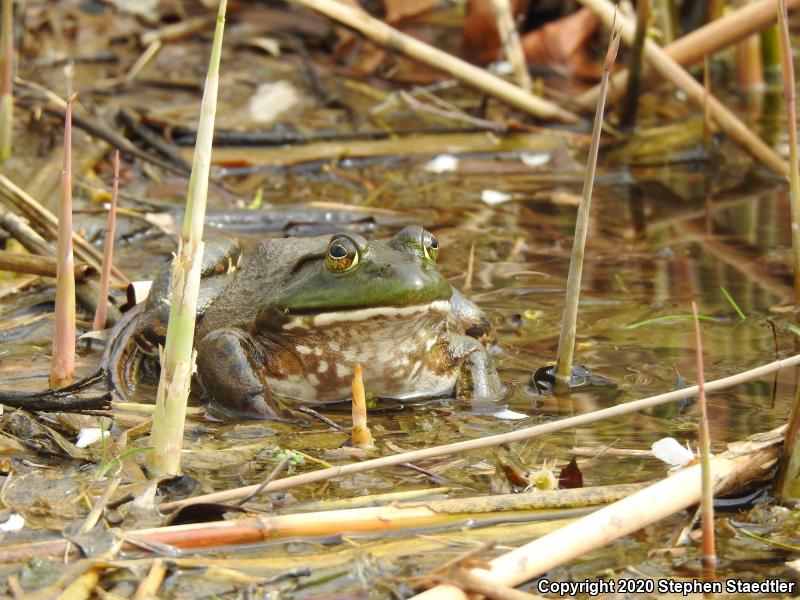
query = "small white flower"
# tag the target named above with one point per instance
(14, 523)
(534, 160)
(444, 163)
(492, 197)
(671, 452)
(89, 436)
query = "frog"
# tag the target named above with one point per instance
(290, 319)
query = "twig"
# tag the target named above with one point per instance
(7, 81)
(275, 472)
(18, 262)
(630, 104)
(391, 38)
(148, 587)
(566, 341)
(670, 70)
(489, 441)
(99, 506)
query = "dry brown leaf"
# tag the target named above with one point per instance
(562, 43)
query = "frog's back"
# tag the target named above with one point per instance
(260, 278)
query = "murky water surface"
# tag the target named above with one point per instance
(668, 228)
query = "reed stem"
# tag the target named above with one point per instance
(101, 315)
(177, 361)
(7, 80)
(566, 341)
(62, 365)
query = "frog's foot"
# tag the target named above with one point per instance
(229, 368)
(478, 379)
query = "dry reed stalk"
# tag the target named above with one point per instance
(750, 67)
(148, 587)
(101, 315)
(46, 266)
(675, 74)
(707, 40)
(486, 442)
(788, 484)
(743, 460)
(566, 340)
(63, 361)
(706, 484)
(360, 436)
(7, 81)
(787, 67)
(630, 105)
(177, 360)
(389, 37)
(510, 43)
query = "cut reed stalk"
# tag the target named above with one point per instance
(395, 40)
(486, 442)
(62, 365)
(360, 436)
(7, 81)
(707, 483)
(566, 341)
(177, 361)
(101, 315)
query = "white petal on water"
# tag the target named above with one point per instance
(14, 523)
(671, 452)
(535, 160)
(509, 415)
(89, 436)
(444, 163)
(494, 197)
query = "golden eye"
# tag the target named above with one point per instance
(342, 255)
(430, 245)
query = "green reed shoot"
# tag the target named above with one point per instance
(177, 361)
(7, 80)
(732, 302)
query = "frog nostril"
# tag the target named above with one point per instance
(386, 269)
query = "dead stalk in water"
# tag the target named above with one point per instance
(566, 341)
(21, 262)
(791, 129)
(7, 81)
(100, 316)
(630, 105)
(489, 441)
(177, 362)
(63, 362)
(360, 435)
(470, 267)
(707, 484)
(788, 484)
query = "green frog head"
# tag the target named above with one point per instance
(353, 273)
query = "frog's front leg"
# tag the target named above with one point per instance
(478, 379)
(230, 365)
(466, 317)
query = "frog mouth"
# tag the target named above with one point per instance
(440, 308)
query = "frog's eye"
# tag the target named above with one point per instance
(342, 255)
(430, 245)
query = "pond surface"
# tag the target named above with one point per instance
(671, 224)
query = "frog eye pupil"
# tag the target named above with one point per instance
(337, 251)
(434, 243)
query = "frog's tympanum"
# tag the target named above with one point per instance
(300, 313)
